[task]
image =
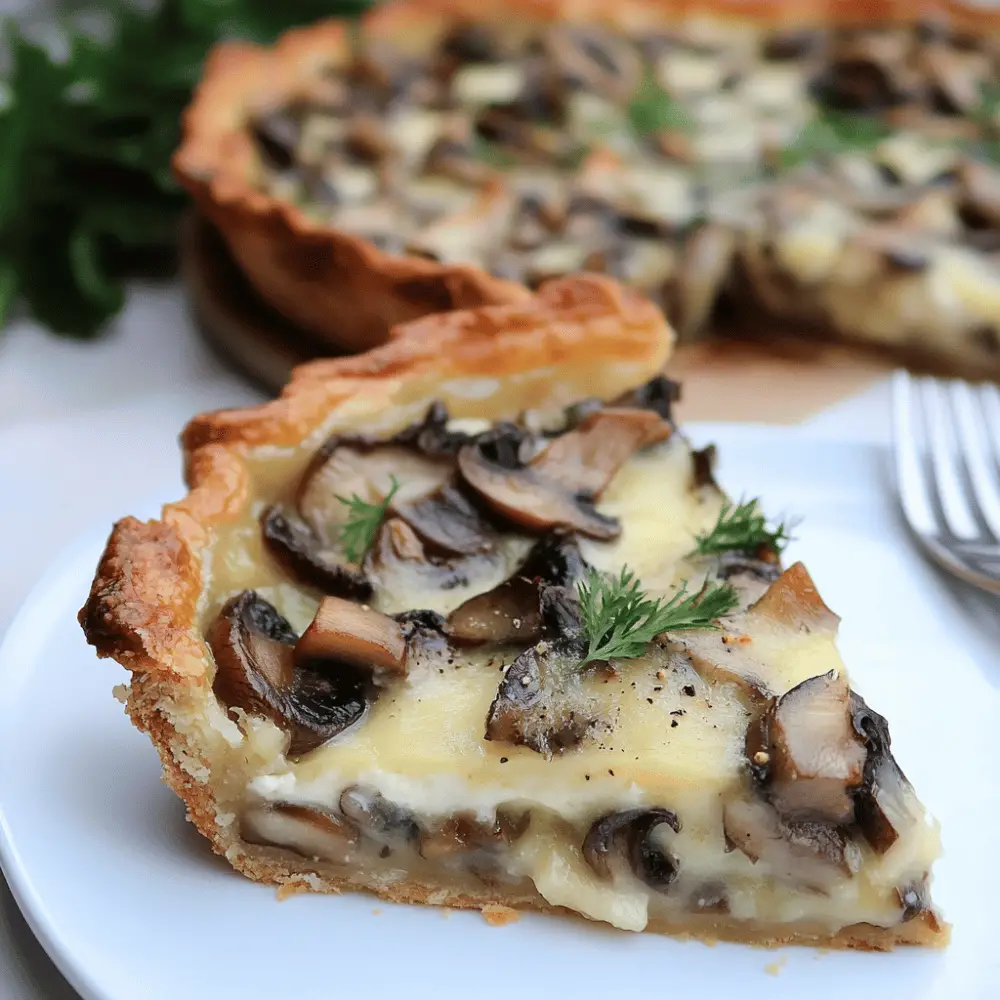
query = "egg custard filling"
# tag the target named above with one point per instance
(547, 663)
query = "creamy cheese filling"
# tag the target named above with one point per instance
(669, 737)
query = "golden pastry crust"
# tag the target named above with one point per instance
(577, 337)
(339, 285)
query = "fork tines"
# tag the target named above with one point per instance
(947, 451)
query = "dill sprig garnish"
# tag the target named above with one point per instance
(619, 620)
(742, 528)
(363, 519)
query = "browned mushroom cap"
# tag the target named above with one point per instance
(885, 805)
(629, 834)
(706, 262)
(464, 833)
(512, 611)
(557, 487)
(584, 56)
(311, 832)
(254, 650)
(304, 535)
(867, 72)
(979, 184)
(813, 855)
(399, 566)
(377, 818)
(540, 703)
(814, 758)
(354, 634)
(449, 520)
(793, 600)
(658, 394)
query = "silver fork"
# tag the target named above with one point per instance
(946, 442)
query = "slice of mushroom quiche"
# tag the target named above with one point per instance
(466, 621)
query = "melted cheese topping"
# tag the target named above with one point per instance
(672, 740)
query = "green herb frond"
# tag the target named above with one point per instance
(619, 620)
(742, 528)
(653, 110)
(363, 519)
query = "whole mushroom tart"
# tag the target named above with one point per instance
(466, 621)
(824, 169)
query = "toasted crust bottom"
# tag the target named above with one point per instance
(339, 286)
(284, 870)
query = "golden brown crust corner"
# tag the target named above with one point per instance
(342, 287)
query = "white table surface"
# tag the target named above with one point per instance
(86, 428)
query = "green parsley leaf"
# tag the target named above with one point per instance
(742, 528)
(619, 620)
(363, 520)
(653, 110)
(833, 132)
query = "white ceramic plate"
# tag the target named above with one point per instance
(131, 904)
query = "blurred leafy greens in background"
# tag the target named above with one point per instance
(86, 136)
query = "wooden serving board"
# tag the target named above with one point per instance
(780, 382)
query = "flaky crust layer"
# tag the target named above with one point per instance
(338, 285)
(578, 337)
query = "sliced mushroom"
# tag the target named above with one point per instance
(308, 831)
(705, 264)
(512, 611)
(980, 193)
(885, 805)
(355, 634)
(450, 521)
(464, 833)
(379, 819)
(399, 566)
(321, 565)
(814, 759)
(472, 42)
(420, 460)
(584, 56)
(658, 394)
(256, 671)
(815, 856)
(794, 601)
(557, 487)
(629, 834)
(277, 133)
(540, 703)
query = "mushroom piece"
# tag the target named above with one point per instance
(558, 486)
(629, 834)
(793, 600)
(399, 566)
(815, 760)
(658, 394)
(540, 703)
(308, 831)
(584, 57)
(512, 611)
(980, 194)
(304, 534)
(885, 804)
(449, 520)
(277, 133)
(257, 671)
(354, 634)
(464, 833)
(379, 819)
(814, 855)
(706, 263)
